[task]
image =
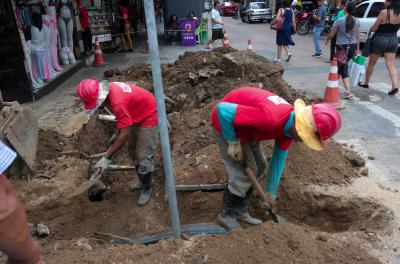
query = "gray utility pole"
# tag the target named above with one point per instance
(162, 115)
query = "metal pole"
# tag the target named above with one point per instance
(162, 116)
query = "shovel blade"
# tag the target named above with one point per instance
(96, 175)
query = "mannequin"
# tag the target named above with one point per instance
(47, 39)
(40, 62)
(66, 27)
(27, 51)
(51, 12)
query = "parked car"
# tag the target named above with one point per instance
(227, 8)
(256, 11)
(367, 12)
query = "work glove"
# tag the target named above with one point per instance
(270, 204)
(103, 164)
(235, 151)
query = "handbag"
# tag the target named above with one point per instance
(341, 54)
(367, 50)
(277, 24)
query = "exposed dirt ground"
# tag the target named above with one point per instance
(192, 85)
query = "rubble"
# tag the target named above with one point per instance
(354, 158)
(39, 230)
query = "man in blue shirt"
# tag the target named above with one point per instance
(216, 21)
(319, 24)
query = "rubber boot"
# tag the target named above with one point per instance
(242, 212)
(145, 195)
(227, 216)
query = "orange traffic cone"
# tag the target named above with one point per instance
(226, 40)
(332, 95)
(249, 46)
(98, 55)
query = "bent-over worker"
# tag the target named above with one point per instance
(132, 105)
(245, 117)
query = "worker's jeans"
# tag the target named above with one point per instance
(238, 182)
(316, 36)
(144, 143)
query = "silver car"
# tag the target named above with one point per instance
(256, 11)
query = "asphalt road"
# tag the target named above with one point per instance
(371, 122)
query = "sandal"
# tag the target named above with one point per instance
(393, 91)
(366, 86)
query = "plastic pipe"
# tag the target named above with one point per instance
(162, 116)
(110, 118)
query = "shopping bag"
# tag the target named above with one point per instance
(357, 70)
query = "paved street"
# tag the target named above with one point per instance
(371, 121)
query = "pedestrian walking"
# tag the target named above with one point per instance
(216, 26)
(125, 27)
(385, 42)
(340, 14)
(347, 32)
(319, 17)
(284, 36)
(247, 116)
(86, 33)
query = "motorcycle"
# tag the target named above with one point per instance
(305, 23)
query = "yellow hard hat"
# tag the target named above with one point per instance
(305, 125)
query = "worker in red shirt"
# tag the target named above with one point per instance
(247, 116)
(131, 105)
(84, 20)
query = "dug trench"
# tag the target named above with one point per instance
(192, 86)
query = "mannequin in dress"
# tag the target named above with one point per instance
(47, 39)
(40, 61)
(51, 12)
(66, 27)
(27, 51)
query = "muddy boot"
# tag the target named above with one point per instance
(227, 216)
(242, 212)
(145, 195)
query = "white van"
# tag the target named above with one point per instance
(367, 12)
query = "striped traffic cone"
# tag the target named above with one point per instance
(249, 46)
(226, 40)
(98, 55)
(332, 95)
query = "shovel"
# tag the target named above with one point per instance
(96, 175)
(275, 217)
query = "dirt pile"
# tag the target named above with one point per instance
(192, 85)
(269, 243)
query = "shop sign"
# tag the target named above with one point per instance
(102, 38)
(188, 32)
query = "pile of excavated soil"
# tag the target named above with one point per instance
(269, 243)
(192, 85)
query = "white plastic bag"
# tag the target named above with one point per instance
(356, 75)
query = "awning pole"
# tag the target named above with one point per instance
(162, 116)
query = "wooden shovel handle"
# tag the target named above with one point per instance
(256, 184)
